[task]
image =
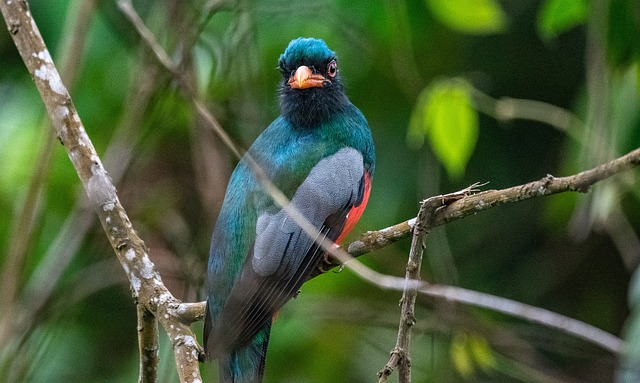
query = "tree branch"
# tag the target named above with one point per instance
(163, 58)
(147, 286)
(400, 355)
(507, 109)
(472, 204)
(527, 312)
(147, 346)
(25, 220)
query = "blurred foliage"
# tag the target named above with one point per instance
(415, 68)
(558, 16)
(470, 353)
(445, 110)
(470, 16)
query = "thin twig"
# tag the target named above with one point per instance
(127, 9)
(508, 108)
(279, 198)
(164, 59)
(470, 205)
(549, 185)
(401, 353)
(526, 312)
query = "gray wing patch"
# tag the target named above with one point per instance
(332, 185)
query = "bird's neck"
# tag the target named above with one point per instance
(309, 108)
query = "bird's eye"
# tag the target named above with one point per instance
(332, 68)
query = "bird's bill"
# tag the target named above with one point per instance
(304, 78)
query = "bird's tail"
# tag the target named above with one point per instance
(246, 365)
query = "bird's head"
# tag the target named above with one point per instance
(308, 63)
(311, 90)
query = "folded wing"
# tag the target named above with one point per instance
(283, 255)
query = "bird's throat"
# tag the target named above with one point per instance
(312, 107)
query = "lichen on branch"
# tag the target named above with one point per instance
(147, 286)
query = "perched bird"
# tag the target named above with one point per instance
(319, 153)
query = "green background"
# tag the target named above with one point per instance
(436, 80)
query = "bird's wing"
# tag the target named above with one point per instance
(283, 255)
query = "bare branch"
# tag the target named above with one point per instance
(399, 358)
(147, 346)
(507, 109)
(470, 205)
(546, 186)
(164, 59)
(191, 312)
(127, 8)
(145, 281)
(401, 353)
(527, 312)
(25, 221)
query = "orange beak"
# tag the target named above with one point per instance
(303, 78)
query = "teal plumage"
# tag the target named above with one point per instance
(320, 153)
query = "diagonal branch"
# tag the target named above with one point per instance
(527, 312)
(147, 286)
(470, 205)
(163, 58)
(31, 209)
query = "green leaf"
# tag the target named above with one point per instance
(482, 353)
(445, 114)
(470, 16)
(558, 16)
(460, 355)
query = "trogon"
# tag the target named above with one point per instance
(319, 152)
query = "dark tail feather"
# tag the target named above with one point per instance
(246, 365)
